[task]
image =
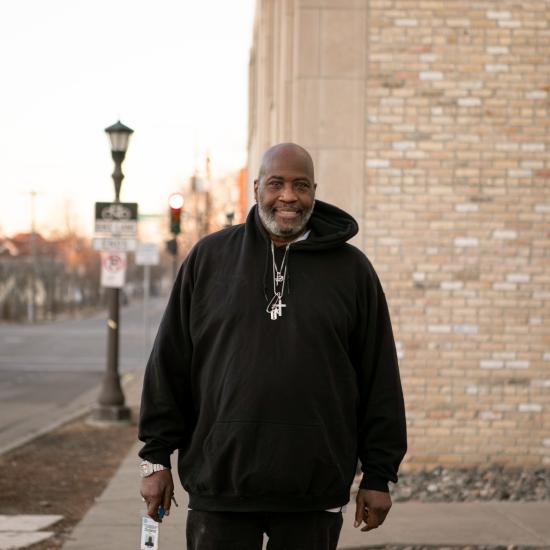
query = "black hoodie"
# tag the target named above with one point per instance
(271, 415)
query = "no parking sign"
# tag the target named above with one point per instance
(113, 269)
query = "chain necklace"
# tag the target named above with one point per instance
(275, 306)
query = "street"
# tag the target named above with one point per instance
(47, 369)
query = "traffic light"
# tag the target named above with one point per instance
(175, 202)
(172, 246)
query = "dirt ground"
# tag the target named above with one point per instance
(62, 472)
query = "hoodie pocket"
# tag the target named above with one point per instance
(259, 458)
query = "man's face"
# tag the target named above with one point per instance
(285, 194)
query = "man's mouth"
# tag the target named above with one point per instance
(287, 213)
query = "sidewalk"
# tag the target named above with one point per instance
(115, 520)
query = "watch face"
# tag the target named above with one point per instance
(146, 468)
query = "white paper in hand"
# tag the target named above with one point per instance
(149, 534)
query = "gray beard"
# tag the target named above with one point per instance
(268, 220)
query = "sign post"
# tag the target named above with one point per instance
(113, 269)
(147, 254)
(116, 231)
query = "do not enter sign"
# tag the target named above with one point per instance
(113, 269)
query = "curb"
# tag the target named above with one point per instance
(78, 407)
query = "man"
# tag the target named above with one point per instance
(273, 371)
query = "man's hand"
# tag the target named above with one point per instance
(157, 489)
(372, 507)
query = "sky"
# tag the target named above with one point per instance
(174, 71)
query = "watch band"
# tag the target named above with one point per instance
(147, 468)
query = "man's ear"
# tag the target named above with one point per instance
(256, 183)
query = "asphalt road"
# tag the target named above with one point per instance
(47, 369)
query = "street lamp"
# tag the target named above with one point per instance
(119, 134)
(111, 404)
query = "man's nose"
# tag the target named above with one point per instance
(287, 193)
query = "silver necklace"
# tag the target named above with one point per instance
(275, 306)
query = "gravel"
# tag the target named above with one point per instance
(494, 482)
(452, 547)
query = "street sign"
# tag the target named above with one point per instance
(116, 218)
(113, 269)
(113, 244)
(116, 229)
(147, 254)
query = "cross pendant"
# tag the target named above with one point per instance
(279, 307)
(277, 310)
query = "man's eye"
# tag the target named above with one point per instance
(302, 185)
(274, 184)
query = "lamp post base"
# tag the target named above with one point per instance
(111, 414)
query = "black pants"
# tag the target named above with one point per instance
(245, 530)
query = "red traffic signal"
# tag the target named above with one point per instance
(175, 201)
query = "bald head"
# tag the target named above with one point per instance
(284, 153)
(285, 191)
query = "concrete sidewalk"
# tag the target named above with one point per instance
(116, 516)
(115, 519)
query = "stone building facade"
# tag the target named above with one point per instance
(429, 121)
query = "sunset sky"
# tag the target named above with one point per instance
(174, 71)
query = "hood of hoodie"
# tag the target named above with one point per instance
(330, 227)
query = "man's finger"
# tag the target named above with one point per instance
(153, 509)
(376, 518)
(367, 519)
(359, 509)
(167, 499)
(370, 524)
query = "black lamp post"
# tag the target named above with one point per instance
(111, 404)
(119, 134)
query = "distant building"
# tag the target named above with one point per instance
(430, 122)
(211, 203)
(40, 278)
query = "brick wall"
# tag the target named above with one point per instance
(455, 204)
(457, 208)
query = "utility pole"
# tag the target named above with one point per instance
(32, 308)
(146, 293)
